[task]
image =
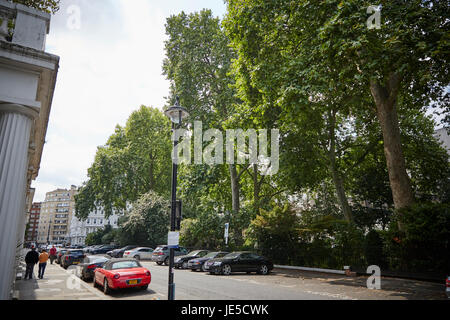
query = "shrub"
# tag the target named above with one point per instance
(423, 245)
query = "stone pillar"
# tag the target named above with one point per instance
(15, 128)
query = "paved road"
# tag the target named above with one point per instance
(203, 286)
(60, 284)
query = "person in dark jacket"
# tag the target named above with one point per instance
(31, 259)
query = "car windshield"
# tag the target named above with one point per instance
(193, 253)
(221, 254)
(95, 259)
(125, 265)
(76, 252)
(158, 249)
(211, 255)
(233, 255)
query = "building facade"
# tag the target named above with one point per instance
(79, 229)
(443, 136)
(27, 84)
(33, 223)
(56, 214)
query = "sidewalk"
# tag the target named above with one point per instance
(58, 284)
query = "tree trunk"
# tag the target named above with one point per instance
(234, 189)
(337, 179)
(256, 189)
(386, 101)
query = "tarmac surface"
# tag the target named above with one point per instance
(61, 284)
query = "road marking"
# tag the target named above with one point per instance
(286, 286)
(331, 295)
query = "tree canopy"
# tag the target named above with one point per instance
(50, 6)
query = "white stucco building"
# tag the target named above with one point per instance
(27, 83)
(96, 220)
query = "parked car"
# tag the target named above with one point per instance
(85, 270)
(103, 249)
(199, 263)
(182, 261)
(121, 273)
(90, 248)
(59, 255)
(118, 253)
(139, 253)
(161, 254)
(243, 261)
(72, 257)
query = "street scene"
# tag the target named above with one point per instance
(224, 150)
(61, 284)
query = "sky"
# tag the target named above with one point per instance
(111, 54)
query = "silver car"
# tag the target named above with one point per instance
(140, 253)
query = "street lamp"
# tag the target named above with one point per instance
(48, 234)
(176, 114)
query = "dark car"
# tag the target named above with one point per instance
(90, 248)
(85, 270)
(59, 255)
(161, 254)
(118, 253)
(239, 262)
(103, 249)
(182, 261)
(199, 263)
(72, 257)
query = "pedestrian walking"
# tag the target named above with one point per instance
(52, 254)
(31, 259)
(43, 258)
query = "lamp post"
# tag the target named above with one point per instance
(176, 114)
(48, 234)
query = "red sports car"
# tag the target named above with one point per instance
(122, 273)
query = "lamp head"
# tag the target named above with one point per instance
(176, 112)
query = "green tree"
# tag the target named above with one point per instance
(275, 233)
(50, 6)
(135, 160)
(147, 223)
(288, 50)
(198, 60)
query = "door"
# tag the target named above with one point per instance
(145, 253)
(242, 263)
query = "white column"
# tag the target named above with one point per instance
(15, 128)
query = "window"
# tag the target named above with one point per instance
(125, 265)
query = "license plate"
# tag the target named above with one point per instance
(132, 281)
(76, 262)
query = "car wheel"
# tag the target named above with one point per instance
(144, 287)
(184, 265)
(106, 289)
(137, 257)
(95, 283)
(226, 270)
(203, 268)
(159, 263)
(166, 261)
(263, 269)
